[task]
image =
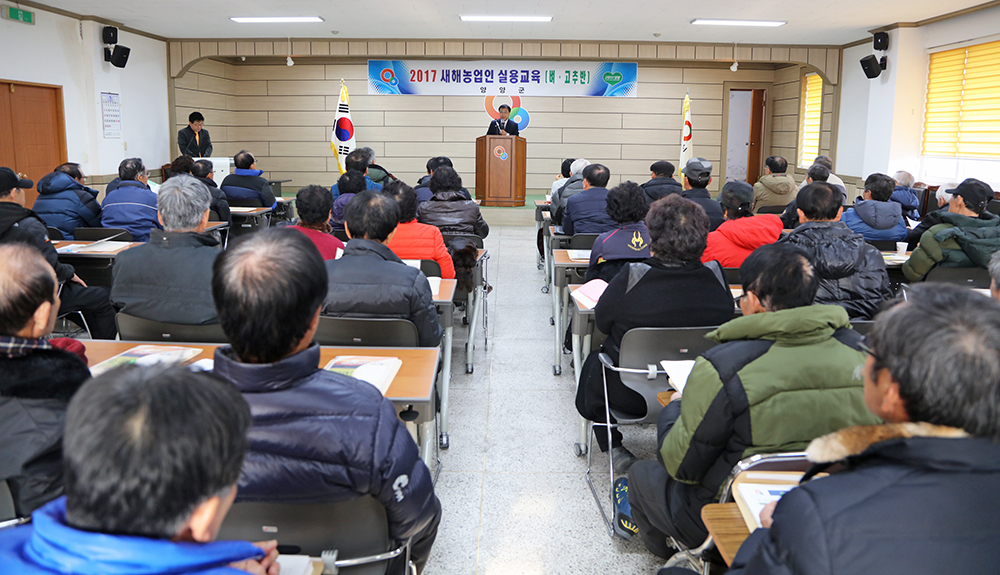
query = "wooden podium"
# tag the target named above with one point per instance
(500, 169)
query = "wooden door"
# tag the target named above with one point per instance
(35, 129)
(756, 147)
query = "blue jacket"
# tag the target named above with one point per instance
(369, 185)
(322, 436)
(48, 545)
(876, 221)
(65, 204)
(587, 213)
(247, 186)
(907, 198)
(132, 206)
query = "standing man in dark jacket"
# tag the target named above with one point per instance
(246, 187)
(132, 205)
(169, 279)
(918, 494)
(697, 177)
(194, 140)
(316, 435)
(662, 182)
(64, 203)
(19, 224)
(204, 171)
(587, 212)
(503, 125)
(370, 280)
(852, 273)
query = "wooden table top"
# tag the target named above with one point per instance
(212, 226)
(445, 292)
(561, 258)
(414, 382)
(91, 254)
(540, 203)
(238, 211)
(726, 526)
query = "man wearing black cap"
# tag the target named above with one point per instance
(966, 237)
(697, 176)
(19, 224)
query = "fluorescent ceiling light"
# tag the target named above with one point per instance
(708, 22)
(506, 18)
(276, 19)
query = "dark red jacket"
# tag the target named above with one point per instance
(734, 240)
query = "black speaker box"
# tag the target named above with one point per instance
(870, 64)
(118, 57)
(110, 34)
(881, 41)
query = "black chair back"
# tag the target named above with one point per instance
(94, 234)
(238, 203)
(341, 235)
(732, 276)
(131, 328)
(430, 268)
(862, 326)
(882, 245)
(370, 332)
(969, 277)
(772, 210)
(54, 233)
(478, 241)
(993, 207)
(582, 241)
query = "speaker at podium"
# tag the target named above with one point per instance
(500, 170)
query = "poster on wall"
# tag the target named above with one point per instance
(502, 78)
(111, 113)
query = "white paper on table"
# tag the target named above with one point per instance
(589, 293)
(579, 255)
(109, 246)
(203, 365)
(911, 223)
(678, 372)
(412, 263)
(340, 254)
(295, 564)
(69, 248)
(758, 495)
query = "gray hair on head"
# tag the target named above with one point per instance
(904, 179)
(369, 154)
(182, 201)
(578, 166)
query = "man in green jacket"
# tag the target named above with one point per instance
(785, 373)
(966, 237)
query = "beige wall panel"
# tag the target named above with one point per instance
(454, 49)
(590, 50)
(779, 54)
(827, 104)
(655, 152)
(594, 135)
(628, 51)
(786, 107)
(786, 74)
(723, 52)
(670, 122)
(227, 48)
(473, 48)
(337, 48)
(800, 55)
(267, 103)
(833, 65)
(263, 48)
(401, 134)
(298, 72)
(622, 105)
(532, 134)
(281, 49)
(434, 48)
(219, 118)
(784, 140)
(377, 49)
(188, 81)
(251, 88)
(230, 149)
(540, 181)
(303, 49)
(555, 153)
(292, 164)
(511, 48)
(301, 149)
(744, 53)
(321, 118)
(197, 99)
(216, 85)
(666, 52)
(716, 76)
(244, 48)
(175, 57)
(646, 51)
(570, 50)
(661, 74)
(685, 52)
(208, 49)
(704, 52)
(401, 118)
(817, 57)
(346, 71)
(304, 88)
(608, 51)
(357, 48)
(411, 103)
(761, 53)
(395, 150)
(190, 51)
(303, 179)
(609, 121)
(319, 48)
(824, 142)
(531, 49)
(414, 48)
(677, 91)
(476, 104)
(279, 134)
(492, 49)
(551, 50)
(211, 68)
(826, 123)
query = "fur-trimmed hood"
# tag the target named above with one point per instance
(852, 441)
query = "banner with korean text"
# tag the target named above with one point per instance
(502, 78)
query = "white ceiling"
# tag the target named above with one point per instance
(833, 22)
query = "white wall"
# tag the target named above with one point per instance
(853, 122)
(66, 52)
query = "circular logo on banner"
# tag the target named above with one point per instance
(500, 152)
(344, 130)
(517, 113)
(388, 77)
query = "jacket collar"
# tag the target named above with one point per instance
(247, 172)
(797, 326)
(180, 239)
(63, 549)
(853, 441)
(13, 346)
(879, 215)
(362, 247)
(983, 220)
(448, 196)
(132, 184)
(263, 377)
(695, 193)
(11, 213)
(208, 182)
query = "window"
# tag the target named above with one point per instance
(812, 115)
(962, 118)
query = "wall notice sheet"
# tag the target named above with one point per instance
(111, 113)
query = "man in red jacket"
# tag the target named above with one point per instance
(413, 240)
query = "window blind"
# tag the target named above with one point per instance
(812, 115)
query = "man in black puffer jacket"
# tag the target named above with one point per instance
(852, 273)
(663, 182)
(316, 435)
(64, 203)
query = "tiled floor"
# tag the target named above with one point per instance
(513, 492)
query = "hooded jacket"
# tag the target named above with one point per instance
(851, 273)
(876, 221)
(661, 187)
(773, 190)
(908, 199)
(734, 240)
(913, 498)
(452, 213)
(323, 436)
(246, 187)
(776, 381)
(957, 242)
(66, 204)
(18, 223)
(572, 186)
(48, 545)
(416, 241)
(132, 207)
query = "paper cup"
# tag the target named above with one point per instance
(435, 284)
(901, 248)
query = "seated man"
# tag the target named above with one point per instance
(818, 172)
(315, 207)
(370, 280)
(786, 372)
(629, 241)
(697, 177)
(64, 203)
(570, 187)
(423, 189)
(204, 171)
(358, 161)
(245, 187)
(350, 183)
(170, 278)
(905, 195)
(376, 173)
(448, 209)
(412, 239)
(151, 457)
(132, 205)
(19, 224)
(965, 237)
(851, 273)
(587, 211)
(742, 232)
(917, 494)
(37, 378)
(316, 435)
(662, 182)
(775, 187)
(875, 217)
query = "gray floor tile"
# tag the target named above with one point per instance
(531, 431)
(457, 545)
(467, 416)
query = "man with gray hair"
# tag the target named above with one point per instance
(573, 186)
(132, 205)
(905, 195)
(376, 173)
(170, 278)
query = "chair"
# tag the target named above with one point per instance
(969, 277)
(642, 349)
(862, 326)
(131, 328)
(374, 332)
(243, 203)
(6, 502)
(732, 276)
(94, 234)
(882, 245)
(582, 241)
(772, 210)
(54, 233)
(430, 268)
(356, 531)
(341, 235)
(993, 207)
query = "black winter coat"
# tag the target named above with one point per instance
(452, 213)
(661, 187)
(917, 505)
(852, 273)
(65, 204)
(322, 436)
(18, 223)
(219, 205)
(713, 209)
(371, 281)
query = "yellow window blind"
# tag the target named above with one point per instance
(812, 115)
(962, 118)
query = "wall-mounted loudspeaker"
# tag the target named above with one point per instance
(118, 57)
(881, 41)
(110, 35)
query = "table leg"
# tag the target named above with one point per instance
(584, 425)
(425, 432)
(445, 384)
(480, 295)
(557, 322)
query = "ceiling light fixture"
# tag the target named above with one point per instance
(710, 22)
(275, 19)
(506, 18)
